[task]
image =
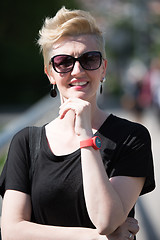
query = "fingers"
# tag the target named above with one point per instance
(131, 236)
(126, 231)
(81, 116)
(131, 220)
(74, 100)
(75, 104)
(63, 112)
(133, 226)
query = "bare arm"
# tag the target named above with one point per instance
(108, 201)
(16, 214)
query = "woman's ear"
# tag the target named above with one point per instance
(104, 67)
(49, 75)
(45, 70)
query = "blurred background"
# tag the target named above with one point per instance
(132, 88)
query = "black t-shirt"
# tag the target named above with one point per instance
(57, 190)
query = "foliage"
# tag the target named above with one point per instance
(2, 161)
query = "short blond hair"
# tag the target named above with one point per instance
(68, 23)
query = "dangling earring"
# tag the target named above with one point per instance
(104, 79)
(101, 87)
(53, 91)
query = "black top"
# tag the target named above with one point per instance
(57, 190)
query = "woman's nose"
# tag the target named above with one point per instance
(77, 68)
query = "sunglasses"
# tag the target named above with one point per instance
(65, 63)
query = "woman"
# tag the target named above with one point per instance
(90, 167)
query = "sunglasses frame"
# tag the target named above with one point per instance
(75, 60)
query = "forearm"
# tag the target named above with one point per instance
(25, 230)
(16, 223)
(103, 203)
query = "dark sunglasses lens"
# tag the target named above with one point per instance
(91, 60)
(63, 63)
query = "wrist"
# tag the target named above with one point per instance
(85, 135)
(94, 142)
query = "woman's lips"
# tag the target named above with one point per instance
(80, 84)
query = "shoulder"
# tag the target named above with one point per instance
(127, 127)
(21, 136)
(122, 132)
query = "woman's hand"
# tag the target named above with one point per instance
(126, 231)
(82, 116)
